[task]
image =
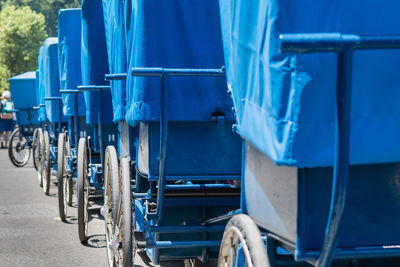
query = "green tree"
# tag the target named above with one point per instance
(22, 32)
(49, 8)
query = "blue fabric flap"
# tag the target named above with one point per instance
(175, 34)
(69, 59)
(94, 61)
(116, 51)
(285, 103)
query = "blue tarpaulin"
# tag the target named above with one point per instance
(285, 104)
(94, 60)
(69, 58)
(116, 51)
(23, 91)
(51, 79)
(40, 86)
(175, 34)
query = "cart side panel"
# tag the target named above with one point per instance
(202, 148)
(372, 210)
(270, 194)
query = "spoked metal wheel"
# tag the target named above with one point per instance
(83, 191)
(111, 199)
(46, 164)
(39, 151)
(35, 148)
(63, 177)
(242, 244)
(122, 250)
(18, 150)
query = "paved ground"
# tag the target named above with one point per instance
(31, 233)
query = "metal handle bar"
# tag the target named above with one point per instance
(83, 88)
(67, 91)
(334, 42)
(53, 98)
(115, 77)
(42, 105)
(177, 72)
(343, 45)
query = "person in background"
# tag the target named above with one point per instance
(6, 118)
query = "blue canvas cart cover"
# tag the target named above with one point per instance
(51, 79)
(175, 34)
(285, 104)
(94, 60)
(40, 86)
(116, 50)
(69, 58)
(23, 91)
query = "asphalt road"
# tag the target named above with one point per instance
(31, 233)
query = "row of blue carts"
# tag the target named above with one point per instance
(222, 129)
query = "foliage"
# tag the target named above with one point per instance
(22, 32)
(49, 8)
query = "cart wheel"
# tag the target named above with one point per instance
(111, 198)
(39, 151)
(83, 191)
(242, 236)
(62, 175)
(123, 227)
(18, 151)
(68, 185)
(46, 164)
(35, 150)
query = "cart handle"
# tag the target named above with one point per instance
(53, 98)
(115, 77)
(69, 91)
(177, 72)
(42, 105)
(343, 45)
(83, 88)
(335, 42)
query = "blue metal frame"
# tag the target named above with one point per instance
(343, 45)
(152, 222)
(53, 141)
(164, 73)
(74, 120)
(97, 169)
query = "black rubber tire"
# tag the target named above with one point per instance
(46, 167)
(16, 136)
(69, 189)
(125, 216)
(83, 191)
(111, 197)
(241, 228)
(35, 150)
(39, 154)
(61, 162)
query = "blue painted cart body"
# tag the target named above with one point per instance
(23, 90)
(169, 107)
(286, 115)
